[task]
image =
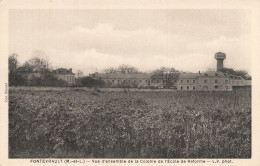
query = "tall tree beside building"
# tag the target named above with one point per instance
(168, 75)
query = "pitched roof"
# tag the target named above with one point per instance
(213, 73)
(207, 74)
(189, 75)
(63, 71)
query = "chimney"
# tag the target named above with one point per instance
(70, 70)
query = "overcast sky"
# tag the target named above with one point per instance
(92, 40)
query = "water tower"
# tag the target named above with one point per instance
(220, 56)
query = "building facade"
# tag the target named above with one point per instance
(66, 75)
(209, 81)
(212, 80)
(140, 80)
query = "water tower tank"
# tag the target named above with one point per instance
(220, 56)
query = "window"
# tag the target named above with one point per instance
(181, 81)
(226, 81)
(193, 81)
(188, 81)
(188, 87)
(216, 87)
(216, 81)
(181, 87)
(193, 87)
(205, 81)
(146, 81)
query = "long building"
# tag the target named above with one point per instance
(212, 80)
(140, 80)
(207, 81)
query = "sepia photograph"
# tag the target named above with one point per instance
(129, 83)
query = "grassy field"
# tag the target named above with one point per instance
(118, 124)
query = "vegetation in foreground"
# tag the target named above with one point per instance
(80, 124)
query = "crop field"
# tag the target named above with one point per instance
(88, 124)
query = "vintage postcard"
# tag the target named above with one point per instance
(129, 82)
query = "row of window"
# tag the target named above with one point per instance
(188, 87)
(118, 81)
(71, 78)
(193, 87)
(188, 81)
(205, 81)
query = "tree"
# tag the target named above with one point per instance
(110, 70)
(46, 80)
(25, 67)
(39, 62)
(79, 74)
(12, 62)
(244, 74)
(123, 69)
(90, 82)
(126, 69)
(168, 75)
(14, 78)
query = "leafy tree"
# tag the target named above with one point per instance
(90, 82)
(126, 69)
(110, 70)
(25, 67)
(168, 75)
(46, 80)
(12, 62)
(244, 74)
(123, 69)
(79, 74)
(16, 79)
(39, 62)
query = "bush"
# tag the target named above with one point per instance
(46, 80)
(90, 82)
(16, 79)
